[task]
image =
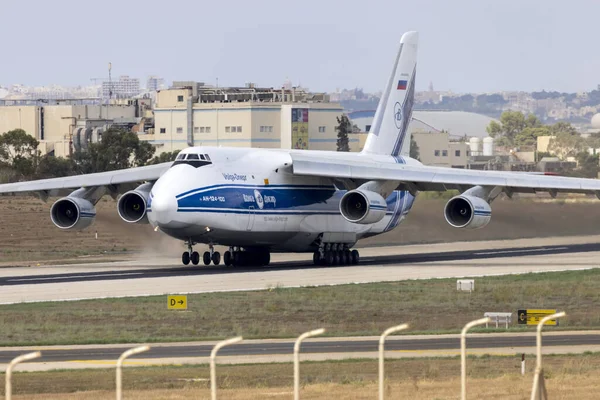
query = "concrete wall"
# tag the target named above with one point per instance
(543, 142)
(20, 117)
(223, 120)
(432, 147)
(320, 116)
(170, 98)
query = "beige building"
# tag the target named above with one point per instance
(60, 127)
(244, 117)
(435, 148)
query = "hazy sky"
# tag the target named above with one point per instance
(465, 45)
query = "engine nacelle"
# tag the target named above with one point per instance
(363, 206)
(133, 205)
(72, 213)
(468, 212)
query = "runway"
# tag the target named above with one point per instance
(163, 276)
(312, 349)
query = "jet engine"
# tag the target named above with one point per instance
(467, 212)
(72, 213)
(133, 205)
(363, 206)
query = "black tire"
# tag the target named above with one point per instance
(355, 257)
(316, 258)
(216, 258)
(195, 258)
(237, 259)
(266, 258)
(185, 258)
(348, 257)
(227, 259)
(336, 258)
(206, 258)
(329, 258)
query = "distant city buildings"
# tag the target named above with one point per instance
(154, 83)
(123, 88)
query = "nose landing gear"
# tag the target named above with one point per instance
(194, 257)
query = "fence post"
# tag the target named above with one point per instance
(11, 365)
(381, 355)
(126, 354)
(538, 378)
(463, 354)
(297, 359)
(213, 368)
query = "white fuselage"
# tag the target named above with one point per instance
(250, 198)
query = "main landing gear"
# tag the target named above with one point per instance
(235, 256)
(194, 257)
(238, 257)
(336, 254)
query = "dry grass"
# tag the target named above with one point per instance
(345, 310)
(573, 377)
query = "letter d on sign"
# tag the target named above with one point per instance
(172, 302)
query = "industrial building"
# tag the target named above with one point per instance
(64, 127)
(194, 114)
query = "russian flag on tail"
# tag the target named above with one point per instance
(402, 85)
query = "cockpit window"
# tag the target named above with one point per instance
(193, 159)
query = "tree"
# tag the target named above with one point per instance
(516, 129)
(414, 148)
(54, 167)
(19, 151)
(118, 149)
(564, 144)
(587, 165)
(343, 129)
(164, 157)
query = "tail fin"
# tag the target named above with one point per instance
(389, 130)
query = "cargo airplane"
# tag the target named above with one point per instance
(257, 201)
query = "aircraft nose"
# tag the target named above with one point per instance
(164, 208)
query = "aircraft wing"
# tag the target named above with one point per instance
(427, 178)
(114, 179)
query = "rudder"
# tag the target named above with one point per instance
(389, 130)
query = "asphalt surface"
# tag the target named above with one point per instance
(315, 347)
(392, 260)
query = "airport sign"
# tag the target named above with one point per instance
(177, 302)
(534, 316)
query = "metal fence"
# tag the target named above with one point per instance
(538, 390)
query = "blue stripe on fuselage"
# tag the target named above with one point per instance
(275, 199)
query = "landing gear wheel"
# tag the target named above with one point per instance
(237, 259)
(266, 258)
(328, 259)
(185, 258)
(195, 258)
(316, 258)
(355, 257)
(344, 258)
(336, 258)
(216, 258)
(227, 259)
(206, 258)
